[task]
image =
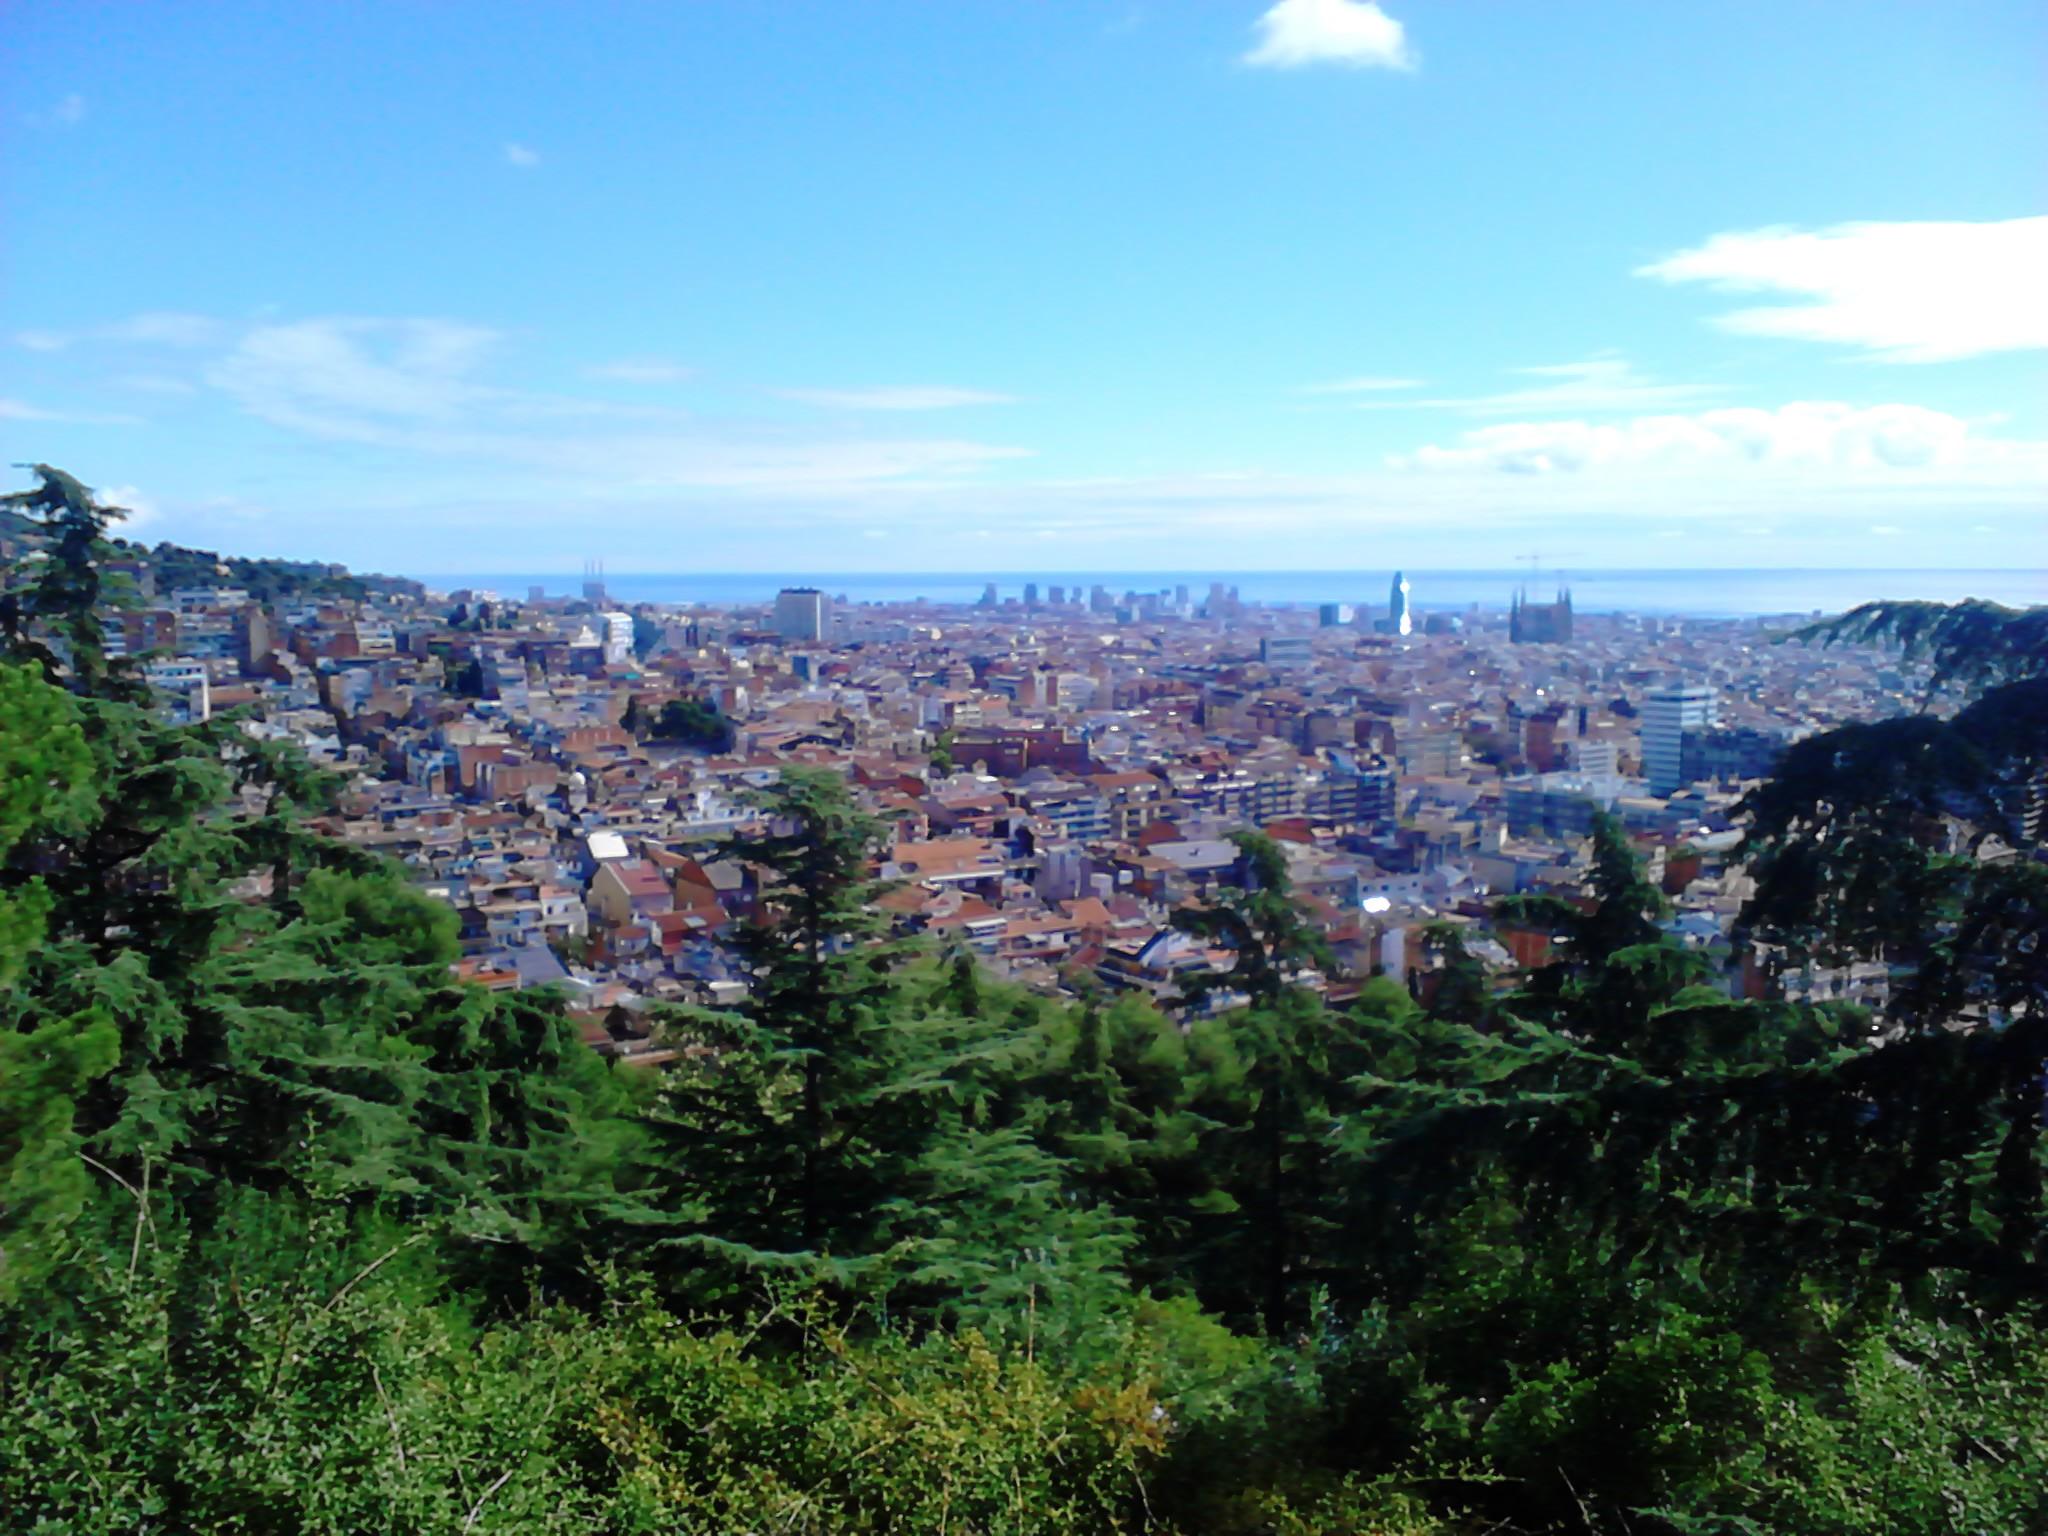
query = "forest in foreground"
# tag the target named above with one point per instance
(300, 1234)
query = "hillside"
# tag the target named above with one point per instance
(268, 579)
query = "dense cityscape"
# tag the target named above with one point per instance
(1059, 769)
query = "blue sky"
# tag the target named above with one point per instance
(1031, 287)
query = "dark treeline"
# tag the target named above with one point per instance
(298, 1234)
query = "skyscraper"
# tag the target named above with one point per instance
(1667, 715)
(802, 613)
(1399, 620)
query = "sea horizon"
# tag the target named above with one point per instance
(1708, 593)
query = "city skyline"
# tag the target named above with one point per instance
(1038, 291)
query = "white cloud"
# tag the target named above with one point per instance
(419, 386)
(156, 384)
(1906, 293)
(1368, 384)
(520, 157)
(639, 370)
(22, 410)
(904, 397)
(1356, 33)
(141, 508)
(1803, 437)
(1599, 385)
(164, 328)
(745, 500)
(155, 328)
(67, 112)
(337, 377)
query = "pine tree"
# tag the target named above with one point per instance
(1262, 1102)
(1258, 923)
(54, 619)
(845, 1123)
(284, 1007)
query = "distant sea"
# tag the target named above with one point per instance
(1695, 593)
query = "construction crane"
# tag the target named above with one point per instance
(1535, 561)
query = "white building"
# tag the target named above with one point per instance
(803, 613)
(1667, 715)
(1594, 759)
(183, 685)
(201, 599)
(618, 638)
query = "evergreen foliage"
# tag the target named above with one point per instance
(692, 722)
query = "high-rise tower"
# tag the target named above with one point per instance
(1667, 714)
(803, 613)
(1399, 620)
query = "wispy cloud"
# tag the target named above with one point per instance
(337, 376)
(1802, 436)
(1365, 385)
(520, 157)
(433, 439)
(639, 370)
(66, 112)
(139, 505)
(156, 384)
(22, 410)
(1904, 293)
(422, 386)
(154, 328)
(165, 328)
(1353, 33)
(898, 397)
(1596, 385)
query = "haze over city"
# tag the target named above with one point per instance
(1088, 287)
